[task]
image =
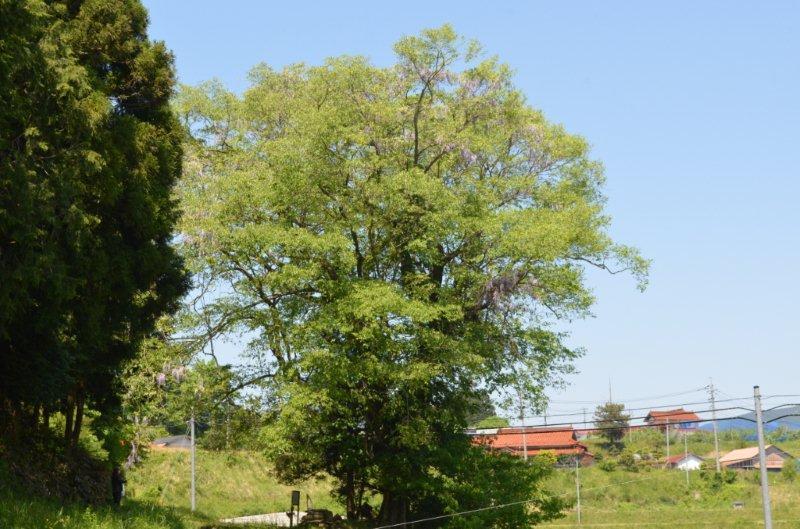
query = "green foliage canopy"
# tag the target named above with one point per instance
(612, 421)
(395, 241)
(89, 154)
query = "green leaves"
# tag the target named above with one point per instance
(393, 239)
(89, 155)
(613, 421)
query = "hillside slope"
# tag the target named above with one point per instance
(228, 484)
(241, 483)
(19, 509)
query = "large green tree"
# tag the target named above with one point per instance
(395, 241)
(612, 421)
(89, 154)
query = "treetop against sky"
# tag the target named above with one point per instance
(692, 110)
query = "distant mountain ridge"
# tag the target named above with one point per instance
(787, 417)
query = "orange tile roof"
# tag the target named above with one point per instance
(673, 416)
(557, 440)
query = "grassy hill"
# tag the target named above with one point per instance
(228, 484)
(241, 483)
(652, 496)
(21, 510)
(659, 497)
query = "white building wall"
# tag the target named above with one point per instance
(692, 463)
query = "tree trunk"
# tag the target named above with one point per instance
(15, 424)
(360, 495)
(69, 408)
(37, 408)
(76, 432)
(350, 503)
(393, 509)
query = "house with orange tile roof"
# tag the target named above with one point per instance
(678, 419)
(561, 442)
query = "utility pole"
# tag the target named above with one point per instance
(578, 485)
(712, 394)
(762, 460)
(686, 456)
(191, 429)
(585, 424)
(667, 430)
(522, 422)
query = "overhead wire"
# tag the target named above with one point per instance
(693, 523)
(659, 425)
(658, 407)
(510, 504)
(572, 423)
(639, 399)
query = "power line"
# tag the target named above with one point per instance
(640, 399)
(645, 416)
(502, 506)
(511, 504)
(781, 405)
(584, 422)
(665, 406)
(692, 523)
(699, 421)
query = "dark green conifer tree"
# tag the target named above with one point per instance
(89, 153)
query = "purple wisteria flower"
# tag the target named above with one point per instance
(468, 156)
(179, 373)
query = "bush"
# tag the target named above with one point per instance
(607, 465)
(789, 472)
(628, 461)
(480, 478)
(492, 422)
(717, 481)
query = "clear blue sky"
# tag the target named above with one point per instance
(692, 106)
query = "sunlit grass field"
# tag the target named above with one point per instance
(661, 498)
(228, 484)
(243, 483)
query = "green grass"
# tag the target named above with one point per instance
(157, 495)
(19, 510)
(661, 498)
(228, 484)
(242, 483)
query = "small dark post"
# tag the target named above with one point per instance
(292, 510)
